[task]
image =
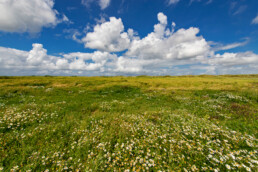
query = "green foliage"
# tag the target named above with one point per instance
(144, 123)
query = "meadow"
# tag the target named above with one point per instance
(143, 123)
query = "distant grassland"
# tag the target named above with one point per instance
(184, 123)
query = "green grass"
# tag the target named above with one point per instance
(193, 123)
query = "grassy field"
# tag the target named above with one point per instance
(187, 123)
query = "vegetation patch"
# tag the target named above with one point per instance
(144, 123)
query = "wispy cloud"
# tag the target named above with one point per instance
(170, 2)
(102, 3)
(207, 1)
(101, 19)
(219, 47)
(240, 10)
(255, 20)
(73, 34)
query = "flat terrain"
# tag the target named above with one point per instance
(193, 123)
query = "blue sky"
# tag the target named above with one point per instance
(128, 37)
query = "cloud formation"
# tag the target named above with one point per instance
(108, 36)
(163, 43)
(219, 47)
(173, 2)
(27, 15)
(255, 20)
(38, 60)
(164, 51)
(103, 4)
(233, 59)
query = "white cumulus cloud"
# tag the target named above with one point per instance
(233, 59)
(164, 51)
(163, 43)
(37, 60)
(37, 55)
(108, 36)
(27, 15)
(12, 58)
